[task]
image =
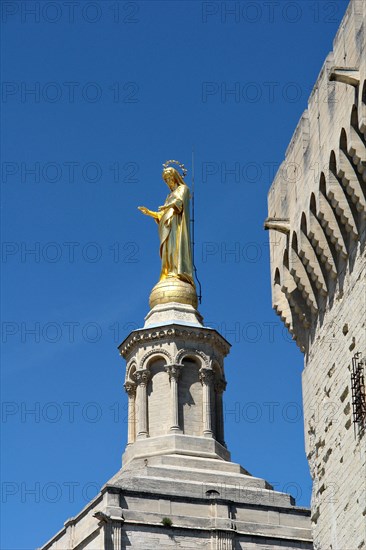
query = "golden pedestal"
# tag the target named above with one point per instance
(173, 289)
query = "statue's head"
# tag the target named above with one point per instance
(172, 178)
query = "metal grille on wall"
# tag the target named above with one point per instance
(358, 392)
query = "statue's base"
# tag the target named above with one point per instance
(182, 314)
(173, 289)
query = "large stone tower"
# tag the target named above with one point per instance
(177, 486)
(317, 218)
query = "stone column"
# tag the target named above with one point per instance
(220, 387)
(206, 377)
(108, 535)
(117, 535)
(222, 540)
(142, 378)
(131, 430)
(174, 372)
(112, 531)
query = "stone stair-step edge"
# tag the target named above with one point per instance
(299, 529)
(210, 464)
(235, 492)
(205, 476)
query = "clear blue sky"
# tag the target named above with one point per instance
(115, 94)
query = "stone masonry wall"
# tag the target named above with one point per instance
(317, 222)
(335, 452)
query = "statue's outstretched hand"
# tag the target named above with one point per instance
(155, 215)
(143, 209)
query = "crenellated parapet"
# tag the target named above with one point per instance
(317, 202)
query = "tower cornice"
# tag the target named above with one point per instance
(173, 332)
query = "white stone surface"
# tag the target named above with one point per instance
(318, 272)
(182, 314)
(210, 503)
(182, 474)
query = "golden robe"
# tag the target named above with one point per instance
(174, 234)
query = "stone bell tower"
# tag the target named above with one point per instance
(175, 380)
(177, 486)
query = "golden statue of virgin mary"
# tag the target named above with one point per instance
(175, 245)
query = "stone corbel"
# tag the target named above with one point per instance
(346, 75)
(278, 224)
(102, 518)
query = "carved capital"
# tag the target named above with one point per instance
(130, 388)
(142, 377)
(220, 386)
(173, 370)
(206, 376)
